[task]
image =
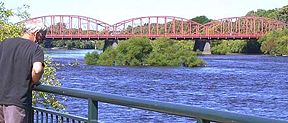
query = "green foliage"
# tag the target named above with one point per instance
(263, 13)
(91, 58)
(142, 51)
(275, 43)
(185, 55)
(282, 14)
(99, 45)
(230, 46)
(235, 46)
(108, 57)
(7, 29)
(201, 19)
(220, 48)
(163, 53)
(71, 44)
(5, 13)
(167, 52)
(58, 43)
(278, 14)
(133, 51)
(48, 78)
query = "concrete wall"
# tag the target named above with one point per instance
(110, 42)
(203, 45)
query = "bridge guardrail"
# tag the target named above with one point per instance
(202, 115)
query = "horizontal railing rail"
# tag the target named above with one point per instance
(202, 115)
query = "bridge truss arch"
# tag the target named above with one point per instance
(240, 27)
(74, 27)
(81, 27)
(156, 26)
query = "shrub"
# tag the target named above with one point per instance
(275, 43)
(133, 52)
(91, 58)
(167, 52)
(108, 57)
(230, 46)
(140, 51)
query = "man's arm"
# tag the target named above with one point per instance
(37, 72)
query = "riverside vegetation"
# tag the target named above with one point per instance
(145, 52)
(273, 43)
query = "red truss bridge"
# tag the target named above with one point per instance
(81, 27)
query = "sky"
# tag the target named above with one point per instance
(113, 11)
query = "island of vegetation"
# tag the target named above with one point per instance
(145, 52)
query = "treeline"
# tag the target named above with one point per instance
(276, 42)
(280, 14)
(74, 44)
(144, 52)
(273, 43)
(235, 46)
(201, 19)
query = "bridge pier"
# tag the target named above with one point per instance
(253, 46)
(203, 45)
(110, 42)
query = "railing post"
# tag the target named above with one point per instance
(31, 115)
(92, 111)
(30, 109)
(202, 121)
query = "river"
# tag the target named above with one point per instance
(247, 84)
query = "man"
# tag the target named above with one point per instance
(21, 66)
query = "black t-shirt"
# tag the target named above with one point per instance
(17, 56)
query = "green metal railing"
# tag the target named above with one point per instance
(49, 116)
(202, 115)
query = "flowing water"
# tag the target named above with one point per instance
(247, 84)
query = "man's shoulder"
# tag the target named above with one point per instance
(20, 43)
(16, 40)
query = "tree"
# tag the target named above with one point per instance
(143, 52)
(7, 29)
(278, 14)
(201, 19)
(133, 51)
(282, 14)
(108, 57)
(235, 46)
(275, 43)
(91, 58)
(168, 52)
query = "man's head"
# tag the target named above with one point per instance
(35, 31)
